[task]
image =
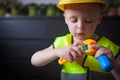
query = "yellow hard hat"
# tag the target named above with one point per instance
(64, 2)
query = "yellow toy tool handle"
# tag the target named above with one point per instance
(87, 50)
(62, 61)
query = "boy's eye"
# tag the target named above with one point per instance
(74, 20)
(88, 21)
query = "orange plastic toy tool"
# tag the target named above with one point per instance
(86, 48)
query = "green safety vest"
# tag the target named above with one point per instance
(75, 71)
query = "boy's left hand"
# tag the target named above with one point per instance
(102, 50)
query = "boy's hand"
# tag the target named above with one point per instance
(71, 53)
(102, 50)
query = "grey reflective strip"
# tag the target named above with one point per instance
(92, 76)
(66, 76)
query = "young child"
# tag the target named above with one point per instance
(82, 18)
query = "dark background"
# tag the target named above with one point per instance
(20, 37)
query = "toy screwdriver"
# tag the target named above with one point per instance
(103, 60)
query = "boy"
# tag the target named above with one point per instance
(82, 18)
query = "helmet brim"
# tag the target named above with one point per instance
(61, 5)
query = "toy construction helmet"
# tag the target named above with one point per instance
(64, 2)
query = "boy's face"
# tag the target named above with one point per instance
(82, 19)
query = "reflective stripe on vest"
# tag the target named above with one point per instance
(74, 67)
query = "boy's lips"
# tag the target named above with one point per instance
(81, 34)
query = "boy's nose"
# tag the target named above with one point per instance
(81, 25)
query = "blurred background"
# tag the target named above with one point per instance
(27, 26)
(29, 8)
(44, 8)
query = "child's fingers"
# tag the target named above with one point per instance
(72, 56)
(101, 50)
(77, 50)
(80, 43)
(74, 53)
(105, 51)
(96, 46)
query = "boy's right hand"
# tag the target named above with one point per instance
(70, 53)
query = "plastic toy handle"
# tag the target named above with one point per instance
(105, 63)
(62, 61)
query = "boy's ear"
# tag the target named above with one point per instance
(65, 18)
